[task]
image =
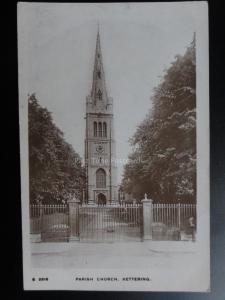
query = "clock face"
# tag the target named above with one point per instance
(100, 149)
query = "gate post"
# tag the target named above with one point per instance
(147, 218)
(178, 215)
(41, 213)
(74, 219)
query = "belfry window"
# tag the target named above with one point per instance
(99, 94)
(95, 128)
(100, 178)
(104, 129)
(100, 129)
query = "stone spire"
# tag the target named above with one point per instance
(98, 92)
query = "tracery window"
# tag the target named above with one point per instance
(100, 178)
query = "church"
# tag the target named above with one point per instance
(100, 147)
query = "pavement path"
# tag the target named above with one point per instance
(111, 255)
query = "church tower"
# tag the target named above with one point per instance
(101, 185)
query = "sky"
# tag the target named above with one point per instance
(56, 57)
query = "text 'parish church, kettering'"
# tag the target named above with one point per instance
(101, 185)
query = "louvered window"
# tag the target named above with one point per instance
(104, 129)
(95, 128)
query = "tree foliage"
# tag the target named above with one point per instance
(163, 161)
(55, 169)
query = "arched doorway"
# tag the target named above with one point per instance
(101, 199)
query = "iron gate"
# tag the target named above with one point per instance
(107, 223)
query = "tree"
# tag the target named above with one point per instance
(55, 169)
(164, 144)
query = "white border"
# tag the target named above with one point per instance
(199, 278)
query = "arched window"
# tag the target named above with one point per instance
(99, 94)
(104, 129)
(100, 178)
(95, 128)
(100, 129)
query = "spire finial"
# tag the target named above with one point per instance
(98, 31)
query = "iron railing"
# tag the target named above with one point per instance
(108, 222)
(51, 221)
(174, 215)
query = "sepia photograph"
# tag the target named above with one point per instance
(114, 146)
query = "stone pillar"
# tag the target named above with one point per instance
(178, 215)
(74, 219)
(91, 197)
(41, 214)
(147, 218)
